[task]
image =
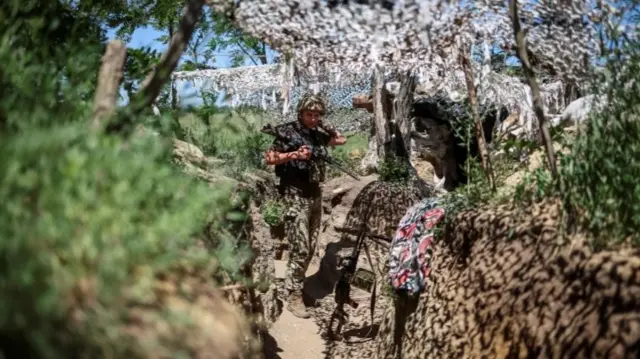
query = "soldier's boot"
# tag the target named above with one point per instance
(296, 306)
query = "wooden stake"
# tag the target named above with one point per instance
(109, 79)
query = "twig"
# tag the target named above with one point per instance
(109, 78)
(246, 52)
(465, 61)
(158, 77)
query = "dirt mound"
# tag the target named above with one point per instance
(506, 284)
(214, 328)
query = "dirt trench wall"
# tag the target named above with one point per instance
(503, 285)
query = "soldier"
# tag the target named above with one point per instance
(299, 184)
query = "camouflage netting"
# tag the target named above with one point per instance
(264, 89)
(333, 48)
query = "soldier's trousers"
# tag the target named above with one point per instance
(302, 226)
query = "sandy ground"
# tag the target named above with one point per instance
(293, 337)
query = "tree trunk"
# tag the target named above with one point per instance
(174, 90)
(485, 159)
(262, 55)
(538, 106)
(288, 74)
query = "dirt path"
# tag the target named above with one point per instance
(296, 338)
(293, 337)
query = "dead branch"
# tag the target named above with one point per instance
(538, 106)
(485, 159)
(153, 83)
(109, 78)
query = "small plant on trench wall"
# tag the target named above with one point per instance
(272, 212)
(393, 169)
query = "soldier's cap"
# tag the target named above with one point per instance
(311, 102)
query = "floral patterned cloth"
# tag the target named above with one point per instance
(410, 252)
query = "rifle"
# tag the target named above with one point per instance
(342, 293)
(379, 239)
(317, 153)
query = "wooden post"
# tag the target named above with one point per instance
(381, 114)
(109, 79)
(402, 106)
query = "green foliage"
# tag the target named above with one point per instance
(138, 64)
(600, 176)
(272, 212)
(534, 187)
(93, 224)
(80, 207)
(476, 192)
(240, 45)
(393, 169)
(230, 135)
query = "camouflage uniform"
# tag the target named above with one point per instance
(300, 189)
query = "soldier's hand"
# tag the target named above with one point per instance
(304, 153)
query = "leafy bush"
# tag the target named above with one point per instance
(272, 212)
(598, 175)
(393, 169)
(99, 254)
(599, 179)
(231, 135)
(82, 214)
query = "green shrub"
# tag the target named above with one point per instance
(79, 207)
(599, 178)
(393, 169)
(92, 225)
(272, 212)
(598, 175)
(231, 135)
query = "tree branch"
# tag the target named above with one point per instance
(538, 106)
(246, 52)
(109, 79)
(152, 85)
(263, 57)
